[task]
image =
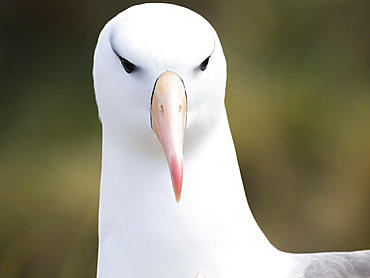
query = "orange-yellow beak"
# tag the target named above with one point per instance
(168, 121)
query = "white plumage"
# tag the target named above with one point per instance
(143, 231)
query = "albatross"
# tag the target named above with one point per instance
(172, 202)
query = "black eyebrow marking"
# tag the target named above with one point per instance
(127, 65)
(203, 65)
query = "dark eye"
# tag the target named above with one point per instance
(127, 65)
(204, 64)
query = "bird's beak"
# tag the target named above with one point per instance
(168, 114)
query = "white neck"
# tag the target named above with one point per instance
(153, 236)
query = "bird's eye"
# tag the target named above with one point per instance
(127, 65)
(204, 64)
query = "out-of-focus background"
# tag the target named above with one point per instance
(298, 100)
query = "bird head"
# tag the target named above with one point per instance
(159, 71)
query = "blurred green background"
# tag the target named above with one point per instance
(298, 100)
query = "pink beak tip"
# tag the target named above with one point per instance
(176, 166)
